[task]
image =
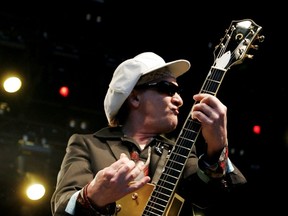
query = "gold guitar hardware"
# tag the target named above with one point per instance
(134, 196)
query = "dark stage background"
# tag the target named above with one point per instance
(79, 44)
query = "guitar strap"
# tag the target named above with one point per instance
(160, 165)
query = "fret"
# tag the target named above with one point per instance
(158, 206)
(162, 194)
(181, 152)
(172, 169)
(168, 183)
(154, 211)
(173, 163)
(187, 139)
(185, 144)
(188, 130)
(161, 202)
(216, 75)
(170, 179)
(208, 92)
(211, 90)
(211, 83)
(164, 189)
(193, 125)
(211, 87)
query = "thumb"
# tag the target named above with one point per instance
(123, 155)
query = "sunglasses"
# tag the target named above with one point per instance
(164, 87)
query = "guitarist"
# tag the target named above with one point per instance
(142, 105)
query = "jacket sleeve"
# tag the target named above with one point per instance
(75, 172)
(210, 196)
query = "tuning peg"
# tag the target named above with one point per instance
(261, 38)
(254, 46)
(249, 56)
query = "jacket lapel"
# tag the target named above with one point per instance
(117, 148)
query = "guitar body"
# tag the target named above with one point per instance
(134, 203)
(160, 199)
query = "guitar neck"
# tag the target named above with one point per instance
(175, 164)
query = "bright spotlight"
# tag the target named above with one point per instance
(12, 84)
(34, 188)
(35, 191)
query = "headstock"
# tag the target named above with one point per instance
(237, 41)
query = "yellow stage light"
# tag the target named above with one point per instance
(35, 191)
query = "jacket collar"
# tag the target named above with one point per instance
(116, 133)
(114, 137)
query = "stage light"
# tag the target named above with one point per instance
(256, 129)
(12, 84)
(35, 191)
(33, 186)
(64, 91)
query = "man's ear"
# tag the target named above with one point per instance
(133, 98)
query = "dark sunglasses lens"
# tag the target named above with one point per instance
(162, 87)
(168, 88)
